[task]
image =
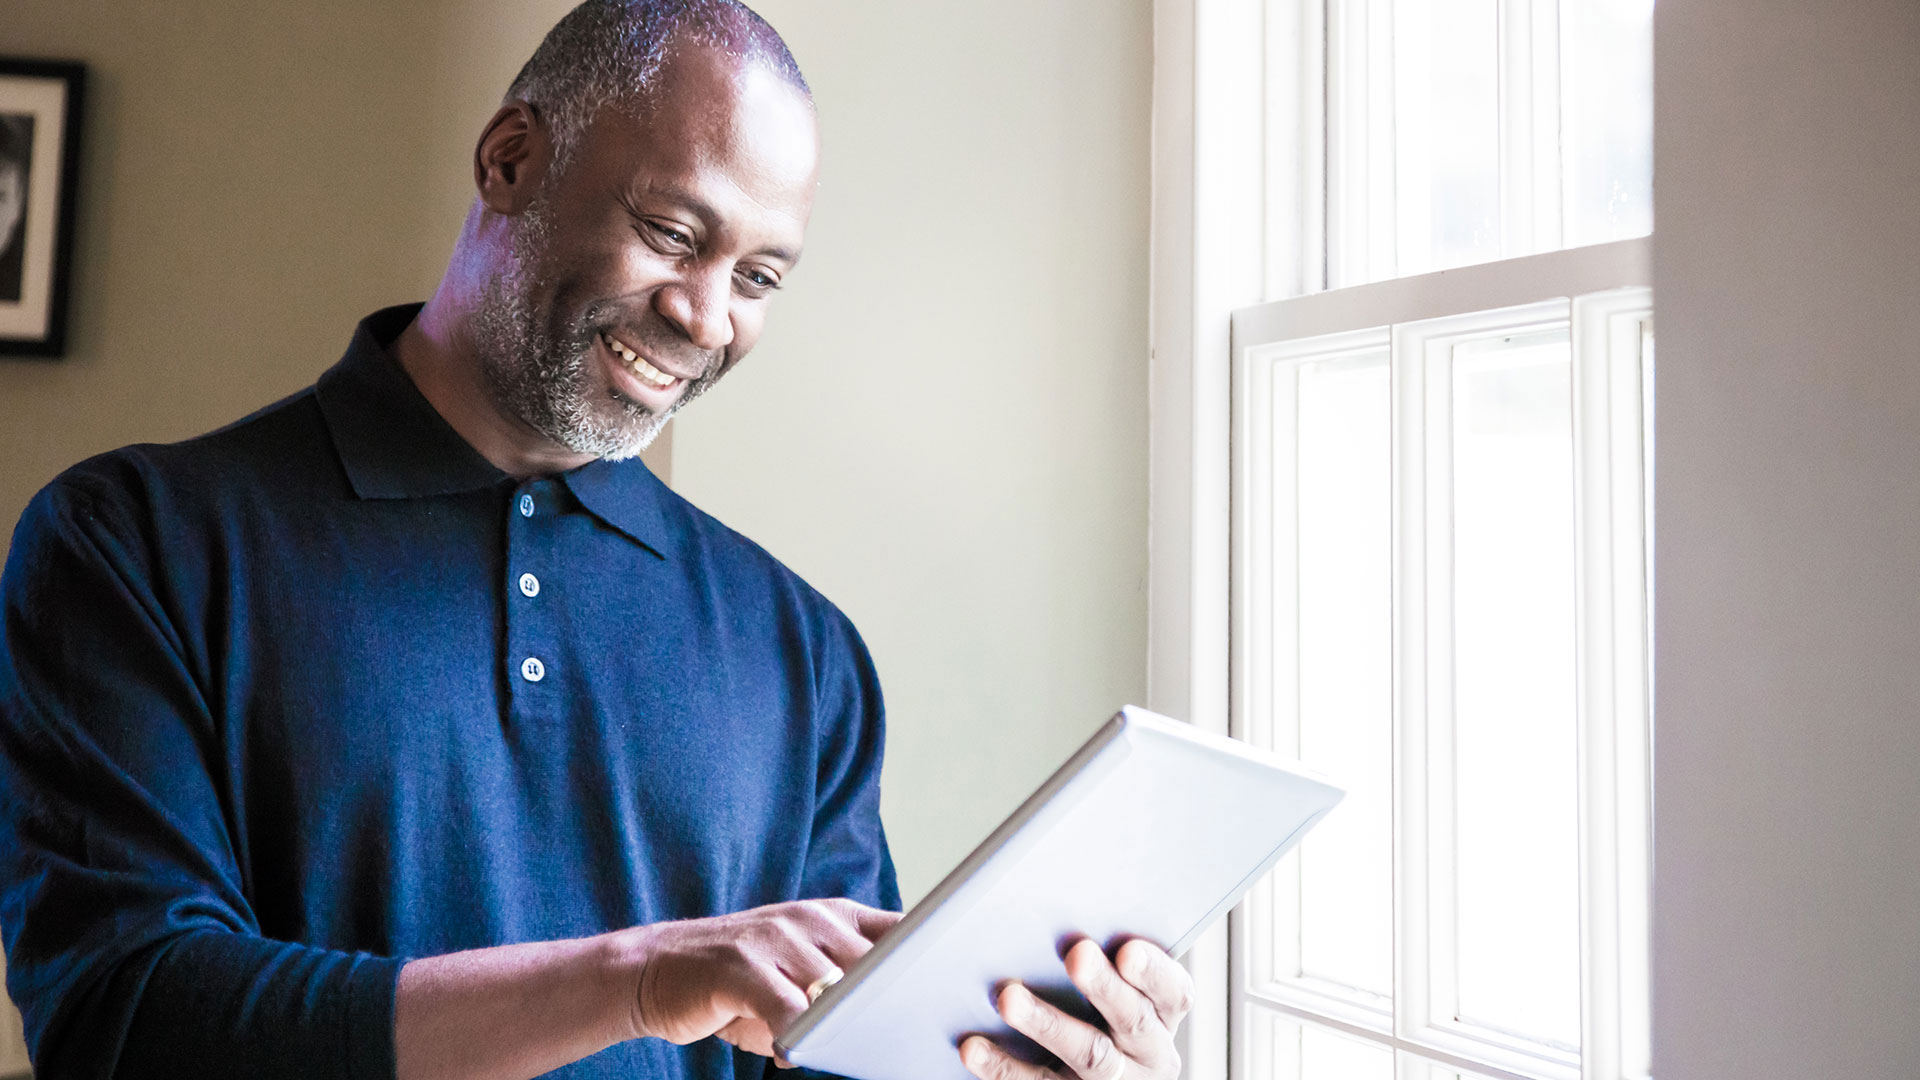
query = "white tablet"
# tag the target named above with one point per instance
(1152, 829)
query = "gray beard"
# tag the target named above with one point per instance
(538, 372)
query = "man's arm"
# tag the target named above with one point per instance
(847, 853)
(133, 947)
(517, 1011)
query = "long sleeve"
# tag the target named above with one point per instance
(848, 853)
(132, 949)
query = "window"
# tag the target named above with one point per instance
(1440, 579)
(1409, 136)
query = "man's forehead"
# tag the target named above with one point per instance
(714, 101)
(748, 136)
(769, 161)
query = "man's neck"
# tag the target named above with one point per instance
(436, 356)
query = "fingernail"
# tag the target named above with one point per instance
(1133, 964)
(974, 1052)
(1017, 999)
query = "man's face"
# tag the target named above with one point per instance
(643, 272)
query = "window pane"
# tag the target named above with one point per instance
(1608, 136)
(1463, 131)
(1437, 1071)
(1345, 657)
(1516, 825)
(1302, 1051)
(1447, 130)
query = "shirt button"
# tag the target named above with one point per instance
(532, 670)
(526, 506)
(529, 585)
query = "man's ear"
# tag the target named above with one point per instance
(512, 159)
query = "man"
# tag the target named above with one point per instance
(408, 728)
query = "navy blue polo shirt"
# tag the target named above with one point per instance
(287, 704)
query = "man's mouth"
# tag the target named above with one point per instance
(645, 372)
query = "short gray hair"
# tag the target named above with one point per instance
(607, 52)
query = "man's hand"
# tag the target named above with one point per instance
(1143, 1001)
(510, 1012)
(744, 976)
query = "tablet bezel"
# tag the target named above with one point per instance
(1090, 752)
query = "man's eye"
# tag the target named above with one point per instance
(759, 280)
(670, 235)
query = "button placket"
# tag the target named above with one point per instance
(529, 627)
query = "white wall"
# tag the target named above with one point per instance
(1787, 758)
(944, 429)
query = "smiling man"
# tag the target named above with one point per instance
(409, 727)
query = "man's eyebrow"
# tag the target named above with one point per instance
(791, 258)
(700, 209)
(686, 199)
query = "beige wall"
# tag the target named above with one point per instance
(255, 177)
(944, 429)
(1787, 739)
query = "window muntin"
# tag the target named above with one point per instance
(1472, 487)
(1409, 136)
(1439, 571)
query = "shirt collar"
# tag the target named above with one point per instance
(627, 496)
(391, 441)
(393, 444)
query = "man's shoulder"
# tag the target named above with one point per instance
(284, 444)
(732, 553)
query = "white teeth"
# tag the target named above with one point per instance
(650, 373)
(638, 366)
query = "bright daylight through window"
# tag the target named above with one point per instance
(1440, 577)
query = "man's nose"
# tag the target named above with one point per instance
(698, 306)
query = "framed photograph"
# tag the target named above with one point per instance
(39, 157)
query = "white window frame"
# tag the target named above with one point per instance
(1598, 296)
(1213, 159)
(1207, 185)
(1304, 155)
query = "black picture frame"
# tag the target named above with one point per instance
(41, 106)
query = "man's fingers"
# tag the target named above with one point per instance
(1080, 1046)
(988, 1062)
(750, 1034)
(839, 940)
(812, 970)
(745, 976)
(769, 995)
(1135, 1023)
(1160, 977)
(802, 927)
(868, 922)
